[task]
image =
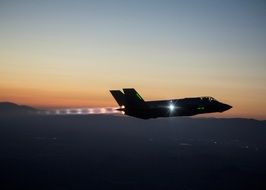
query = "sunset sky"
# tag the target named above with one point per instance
(70, 53)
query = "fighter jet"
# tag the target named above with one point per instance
(132, 104)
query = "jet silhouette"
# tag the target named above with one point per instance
(132, 104)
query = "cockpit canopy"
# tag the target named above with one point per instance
(209, 99)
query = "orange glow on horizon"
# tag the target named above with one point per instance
(57, 99)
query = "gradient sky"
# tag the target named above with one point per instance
(70, 53)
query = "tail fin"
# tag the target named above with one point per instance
(132, 98)
(118, 96)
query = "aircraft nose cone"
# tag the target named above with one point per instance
(226, 107)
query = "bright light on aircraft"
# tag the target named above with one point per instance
(171, 107)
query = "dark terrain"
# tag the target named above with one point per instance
(116, 152)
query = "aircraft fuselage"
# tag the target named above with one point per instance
(133, 105)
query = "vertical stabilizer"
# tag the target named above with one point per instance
(118, 96)
(132, 98)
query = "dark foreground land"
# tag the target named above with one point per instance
(114, 152)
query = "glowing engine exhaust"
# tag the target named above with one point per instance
(81, 111)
